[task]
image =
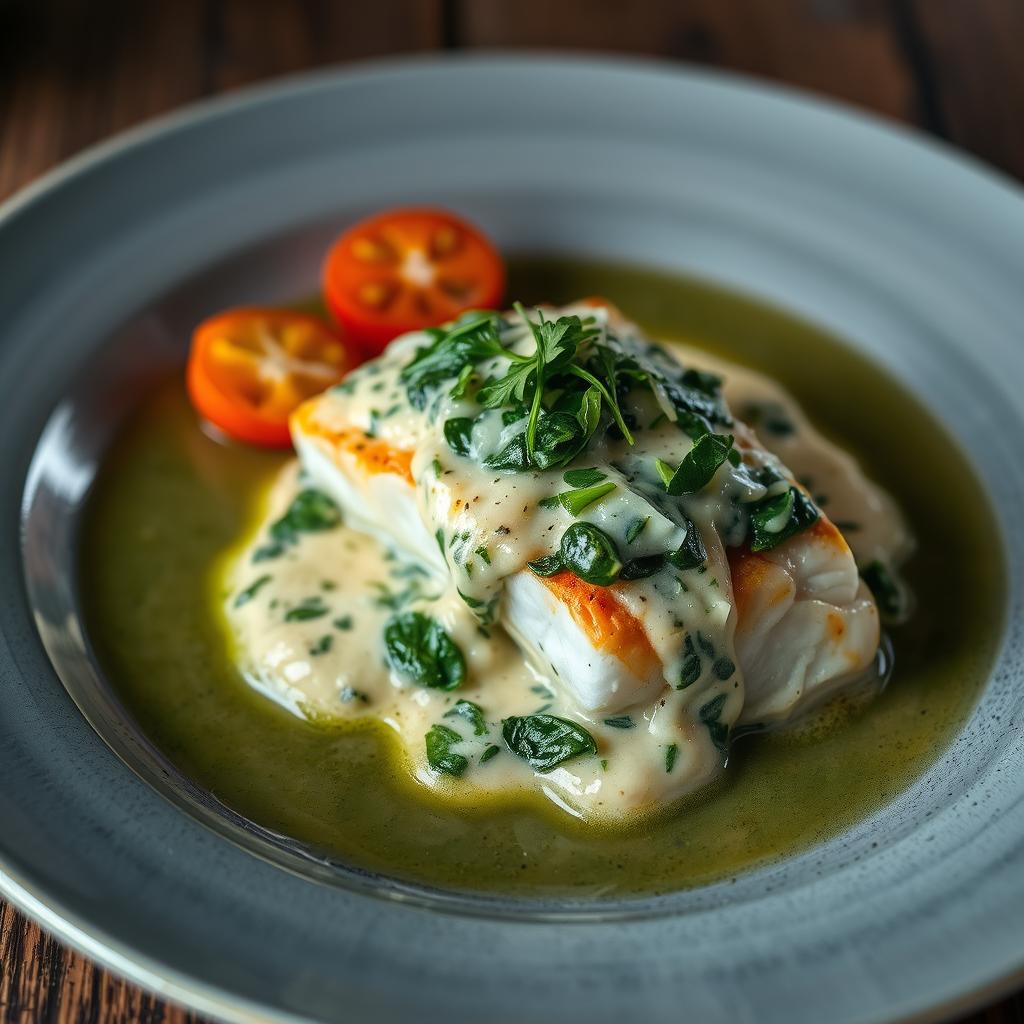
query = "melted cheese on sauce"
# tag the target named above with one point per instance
(330, 665)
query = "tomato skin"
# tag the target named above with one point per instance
(407, 269)
(219, 410)
(223, 394)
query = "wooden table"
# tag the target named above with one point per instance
(74, 72)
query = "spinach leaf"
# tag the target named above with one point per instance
(513, 414)
(723, 667)
(485, 611)
(691, 554)
(420, 651)
(774, 520)
(695, 409)
(710, 715)
(440, 756)
(457, 432)
(559, 439)
(473, 337)
(665, 472)
(703, 380)
(636, 527)
(311, 511)
(512, 458)
(671, 753)
(546, 566)
(771, 416)
(641, 568)
(691, 668)
(700, 464)
(591, 554)
(489, 753)
(886, 588)
(546, 741)
(472, 713)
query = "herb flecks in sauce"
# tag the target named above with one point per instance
(248, 593)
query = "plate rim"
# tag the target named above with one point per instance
(157, 977)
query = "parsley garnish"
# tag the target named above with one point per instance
(566, 361)
(576, 501)
(583, 477)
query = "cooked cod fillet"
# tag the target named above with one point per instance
(796, 620)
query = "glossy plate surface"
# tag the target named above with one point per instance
(908, 252)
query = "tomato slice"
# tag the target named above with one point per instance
(407, 269)
(250, 368)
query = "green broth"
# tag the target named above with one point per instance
(169, 501)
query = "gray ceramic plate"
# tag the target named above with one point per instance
(911, 253)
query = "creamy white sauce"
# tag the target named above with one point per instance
(327, 661)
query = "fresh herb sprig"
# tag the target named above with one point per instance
(558, 365)
(557, 344)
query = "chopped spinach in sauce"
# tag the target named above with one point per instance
(420, 651)
(311, 511)
(441, 756)
(546, 741)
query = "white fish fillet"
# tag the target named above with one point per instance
(803, 622)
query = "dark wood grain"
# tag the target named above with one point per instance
(844, 48)
(971, 63)
(73, 72)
